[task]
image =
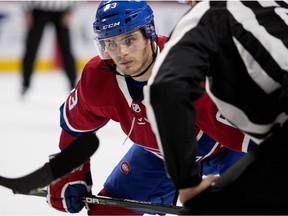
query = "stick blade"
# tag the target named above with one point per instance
(77, 153)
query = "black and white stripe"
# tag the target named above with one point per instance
(49, 5)
(240, 50)
(260, 48)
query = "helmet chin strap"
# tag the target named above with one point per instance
(113, 69)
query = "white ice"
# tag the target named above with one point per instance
(29, 133)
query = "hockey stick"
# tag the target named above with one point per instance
(66, 161)
(133, 204)
(122, 203)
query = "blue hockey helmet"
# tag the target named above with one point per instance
(114, 18)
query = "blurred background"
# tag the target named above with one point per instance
(13, 32)
(29, 127)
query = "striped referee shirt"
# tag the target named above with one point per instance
(54, 6)
(240, 50)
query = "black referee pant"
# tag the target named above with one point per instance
(41, 18)
(256, 184)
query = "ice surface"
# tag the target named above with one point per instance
(29, 133)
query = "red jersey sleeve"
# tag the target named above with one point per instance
(217, 127)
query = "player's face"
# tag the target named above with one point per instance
(131, 52)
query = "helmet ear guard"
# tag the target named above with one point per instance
(150, 30)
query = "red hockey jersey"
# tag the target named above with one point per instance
(100, 96)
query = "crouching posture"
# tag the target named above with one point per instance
(111, 88)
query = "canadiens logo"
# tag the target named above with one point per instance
(136, 107)
(125, 167)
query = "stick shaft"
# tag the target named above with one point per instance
(132, 204)
(121, 203)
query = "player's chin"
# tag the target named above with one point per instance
(128, 71)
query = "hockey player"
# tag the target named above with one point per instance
(110, 88)
(237, 48)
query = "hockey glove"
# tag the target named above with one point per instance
(64, 194)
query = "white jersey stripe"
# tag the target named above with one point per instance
(275, 46)
(255, 71)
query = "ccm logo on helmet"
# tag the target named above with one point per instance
(111, 25)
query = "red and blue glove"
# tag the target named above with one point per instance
(64, 194)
